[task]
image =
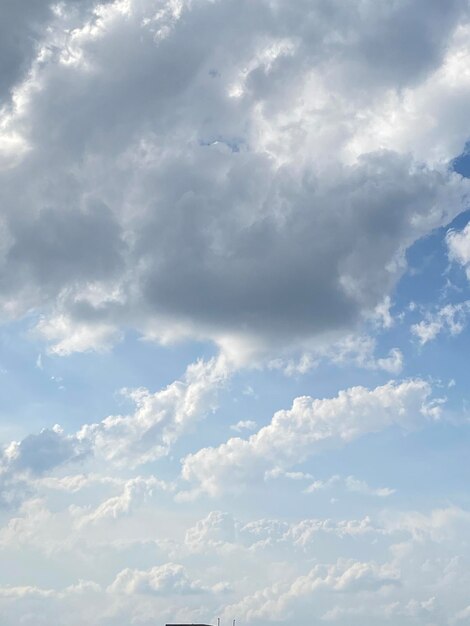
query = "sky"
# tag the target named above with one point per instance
(234, 328)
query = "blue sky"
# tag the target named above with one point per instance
(234, 265)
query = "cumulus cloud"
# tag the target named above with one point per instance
(13, 490)
(221, 532)
(135, 490)
(274, 603)
(438, 525)
(233, 171)
(160, 418)
(41, 453)
(416, 609)
(308, 427)
(162, 579)
(251, 173)
(74, 482)
(144, 435)
(21, 462)
(276, 569)
(66, 336)
(217, 528)
(30, 526)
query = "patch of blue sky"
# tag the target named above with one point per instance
(40, 391)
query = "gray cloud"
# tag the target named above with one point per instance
(63, 246)
(45, 451)
(212, 170)
(22, 30)
(33, 456)
(312, 264)
(20, 26)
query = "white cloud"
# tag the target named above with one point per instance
(37, 454)
(163, 579)
(308, 427)
(67, 336)
(75, 482)
(249, 173)
(382, 313)
(216, 529)
(352, 484)
(458, 243)
(451, 318)
(438, 525)
(278, 472)
(244, 425)
(160, 418)
(221, 532)
(358, 350)
(274, 603)
(321, 485)
(16, 593)
(360, 486)
(31, 525)
(424, 609)
(135, 490)
(393, 363)
(148, 433)
(275, 569)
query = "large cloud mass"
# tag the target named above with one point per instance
(245, 172)
(250, 173)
